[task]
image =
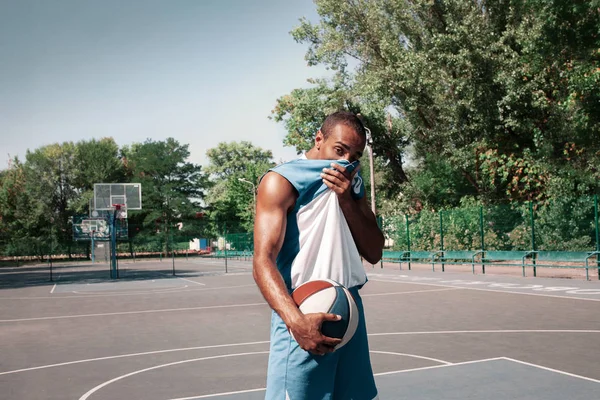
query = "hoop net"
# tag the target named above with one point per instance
(121, 211)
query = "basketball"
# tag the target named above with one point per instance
(327, 296)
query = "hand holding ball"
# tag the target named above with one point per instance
(327, 296)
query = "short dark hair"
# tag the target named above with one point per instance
(343, 117)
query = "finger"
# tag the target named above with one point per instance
(333, 173)
(333, 183)
(327, 349)
(338, 167)
(330, 342)
(330, 317)
(330, 185)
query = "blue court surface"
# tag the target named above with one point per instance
(203, 334)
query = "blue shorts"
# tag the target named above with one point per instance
(296, 374)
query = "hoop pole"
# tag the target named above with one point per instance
(113, 243)
(93, 248)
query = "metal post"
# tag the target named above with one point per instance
(93, 248)
(372, 174)
(408, 238)
(371, 162)
(173, 256)
(113, 244)
(225, 244)
(597, 234)
(532, 235)
(380, 224)
(442, 235)
(481, 228)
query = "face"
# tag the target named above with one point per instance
(342, 143)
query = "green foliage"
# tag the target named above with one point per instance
(231, 201)
(172, 187)
(498, 100)
(40, 197)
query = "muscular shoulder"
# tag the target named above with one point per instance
(275, 191)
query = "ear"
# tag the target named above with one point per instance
(319, 139)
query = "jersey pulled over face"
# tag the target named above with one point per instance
(342, 143)
(318, 243)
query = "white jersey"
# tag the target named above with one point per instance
(318, 243)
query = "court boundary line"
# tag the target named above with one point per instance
(417, 369)
(206, 396)
(98, 387)
(66, 363)
(124, 294)
(131, 312)
(134, 291)
(486, 331)
(188, 280)
(111, 381)
(411, 356)
(409, 292)
(145, 353)
(558, 371)
(53, 287)
(484, 290)
(179, 309)
(437, 366)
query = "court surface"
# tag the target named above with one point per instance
(203, 334)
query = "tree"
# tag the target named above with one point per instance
(97, 161)
(500, 96)
(21, 230)
(230, 200)
(172, 188)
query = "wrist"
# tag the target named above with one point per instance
(292, 318)
(345, 199)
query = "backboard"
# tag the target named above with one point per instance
(86, 228)
(106, 195)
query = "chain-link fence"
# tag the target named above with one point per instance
(557, 225)
(565, 224)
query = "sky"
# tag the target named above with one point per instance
(200, 71)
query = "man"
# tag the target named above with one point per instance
(313, 222)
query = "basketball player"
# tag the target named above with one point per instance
(313, 222)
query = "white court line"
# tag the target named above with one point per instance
(182, 349)
(411, 355)
(411, 370)
(265, 342)
(205, 396)
(486, 331)
(437, 366)
(446, 364)
(95, 389)
(53, 287)
(133, 291)
(552, 370)
(409, 292)
(127, 294)
(132, 312)
(481, 289)
(197, 283)
(216, 346)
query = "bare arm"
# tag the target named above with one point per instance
(276, 197)
(361, 220)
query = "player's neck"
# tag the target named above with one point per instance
(312, 154)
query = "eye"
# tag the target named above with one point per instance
(339, 151)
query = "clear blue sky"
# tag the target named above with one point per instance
(201, 71)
